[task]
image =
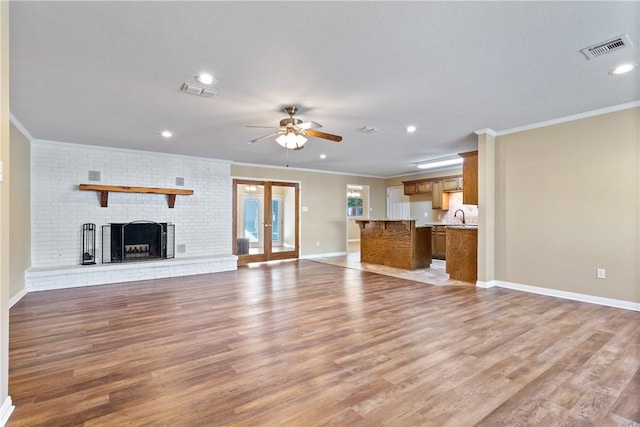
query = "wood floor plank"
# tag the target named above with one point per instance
(309, 344)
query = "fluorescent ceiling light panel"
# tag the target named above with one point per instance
(438, 163)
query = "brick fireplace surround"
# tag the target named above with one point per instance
(58, 210)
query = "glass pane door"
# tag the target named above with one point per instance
(266, 218)
(284, 220)
(250, 219)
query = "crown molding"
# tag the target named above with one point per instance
(486, 131)
(15, 122)
(51, 143)
(256, 165)
(573, 117)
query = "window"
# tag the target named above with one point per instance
(354, 204)
(251, 219)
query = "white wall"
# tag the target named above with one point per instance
(203, 220)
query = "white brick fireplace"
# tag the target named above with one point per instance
(58, 208)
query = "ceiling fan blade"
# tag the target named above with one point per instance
(308, 125)
(262, 137)
(317, 134)
(262, 127)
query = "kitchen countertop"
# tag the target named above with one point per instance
(463, 226)
(450, 224)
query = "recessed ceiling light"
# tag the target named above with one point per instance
(205, 78)
(323, 156)
(166, 134)
(411, 129)
(621, 69)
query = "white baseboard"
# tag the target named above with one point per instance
(13, 300)
(312, 256)
(609, 302)
(486, 285)
(5, 411)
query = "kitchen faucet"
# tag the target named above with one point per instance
(455, 214)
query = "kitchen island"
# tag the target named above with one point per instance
(395, 243)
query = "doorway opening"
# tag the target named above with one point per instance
(357, 208)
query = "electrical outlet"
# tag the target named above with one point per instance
(601, 273)
(318, 243)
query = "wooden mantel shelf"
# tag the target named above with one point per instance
(104, 191)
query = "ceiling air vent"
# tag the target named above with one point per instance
(608, 46)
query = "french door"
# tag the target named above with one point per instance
(265, 220)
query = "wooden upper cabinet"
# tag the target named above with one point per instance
(439, 199)
(452, 184)
(416, 187)
(470, 176)
(410, 188)
(424, 187)
(421, 186)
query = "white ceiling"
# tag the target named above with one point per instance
(109, 73)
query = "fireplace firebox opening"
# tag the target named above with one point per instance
(137, 241)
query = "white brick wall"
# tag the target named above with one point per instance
(40, 279)
(203, 221)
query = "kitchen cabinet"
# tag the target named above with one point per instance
(452, 184)
(438, 187)
(439, 241)
(410, 188)
(424, 187)
(417, 187)
(439, 199)
(462, 253)
(470, 176)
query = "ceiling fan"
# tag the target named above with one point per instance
(293, 131)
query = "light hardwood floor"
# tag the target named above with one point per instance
(303, 343)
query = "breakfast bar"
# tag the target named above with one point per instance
(395, 243)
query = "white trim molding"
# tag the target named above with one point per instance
(17, 297)
(486, 285)
(5, 411)
(609, 302)
(14, 121)
(312, 256)
(487, 131)
(570, 118)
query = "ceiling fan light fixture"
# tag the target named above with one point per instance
(291, 140)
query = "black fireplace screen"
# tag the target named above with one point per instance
(137, 241)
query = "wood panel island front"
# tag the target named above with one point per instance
(395, 243)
